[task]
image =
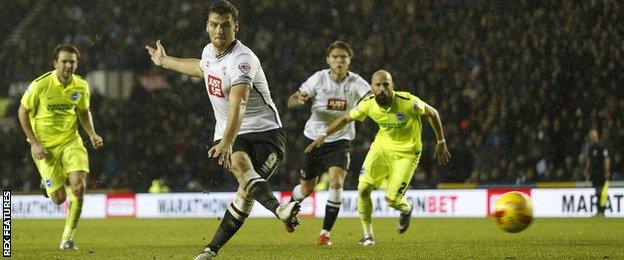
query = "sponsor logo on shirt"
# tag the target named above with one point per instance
(52, 107)
(214, 87)
(391, 125)
(336, 104)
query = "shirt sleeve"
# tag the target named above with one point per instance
(85, 101)
(242, 69)
(360, 112)
(30, 99)
(418, 105)
(309, 86)
(363, 87)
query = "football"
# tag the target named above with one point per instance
(513, 212)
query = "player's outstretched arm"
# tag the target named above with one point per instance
(332, 128)
(297, 99)
(238, 104)
(36, 148)
(188, 66)
(441, 151)
(86, 121)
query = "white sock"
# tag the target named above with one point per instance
(248, 178)
(324, 232)
(243, 204)
(68, 232)
(368, 230)
(296, 193)
(334, 197)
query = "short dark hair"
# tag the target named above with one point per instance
(224, 7)
(340, 45)
(66, 47)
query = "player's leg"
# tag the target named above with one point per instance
(44, 192)
(337, 160)
(76, 191)
(57, 196)
(332, 206)
(365, 211)
(299, 193)
(232, 221)
(255, 162)
(76, 164)
(52, 176)
(237, 210)
(309, 175)
(252, 183)
(374, 170)
(403, 167)
(598, 186)
(303, 189)
(252, 187)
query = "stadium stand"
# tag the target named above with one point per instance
(518, 83)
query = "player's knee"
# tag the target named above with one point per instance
(241, 163)
(78, 189)
(237, 167)
(336, 177)
(336, 185)
(58, 196)
(58, 200)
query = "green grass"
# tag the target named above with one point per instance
(262, 239)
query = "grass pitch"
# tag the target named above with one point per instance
(267, 239)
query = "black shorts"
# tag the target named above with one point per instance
(266, 150)
(329, 154)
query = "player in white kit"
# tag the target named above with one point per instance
(249, 140)
(333, 92)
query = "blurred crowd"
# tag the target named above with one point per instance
(518, 83)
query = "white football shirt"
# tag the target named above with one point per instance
(238, 65)
(330, 100)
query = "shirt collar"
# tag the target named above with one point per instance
(343, 80)
(227, 51)
(57, 82)
(389, 107)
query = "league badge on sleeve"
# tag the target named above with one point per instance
(244, 67)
